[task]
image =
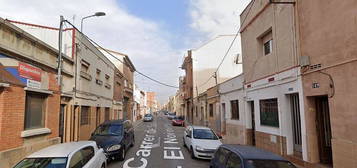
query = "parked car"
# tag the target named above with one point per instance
(148, 117)
(202, 142)
(229, 156)
(170, 116)
(178, 121)
(115, 137)
(84, 154)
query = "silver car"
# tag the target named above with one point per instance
(84, 154)
(148, 117)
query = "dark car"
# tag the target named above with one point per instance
(240, 156)
(115, 137)
(178, 121)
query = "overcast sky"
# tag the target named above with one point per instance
(154, 33)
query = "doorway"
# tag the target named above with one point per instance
(323, 127)
(61, 122)
(97, 116)
(296, 124)
(251, 105)
(224, 123)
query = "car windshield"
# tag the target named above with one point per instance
(147, 115)
(204, 134)
(178, 118)
(109, 130)
(42, 163)
(268, 164)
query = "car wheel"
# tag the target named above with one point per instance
(192, 154)
(122, 154)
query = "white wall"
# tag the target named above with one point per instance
(206, 59)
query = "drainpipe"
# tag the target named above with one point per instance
(59, 78)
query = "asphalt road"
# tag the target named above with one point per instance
(159, 145)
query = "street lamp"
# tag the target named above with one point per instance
(95, 14)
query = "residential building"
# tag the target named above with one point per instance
(213, 111)
(29, 94)
(151, 102)
(201, 113)
(143, 103)
(86, 100)
(328, 39)
(187, 87)
(232, 107)
(274, 96)
(126, 67)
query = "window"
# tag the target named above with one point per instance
(234, 110)
(233, 161)
(221, 154)
(85, 66)
(87, 154)
(107, 114)
(269, 112)
(211, 110)
(266, 42)
(84, 115)
(268, 47)
(196, 111)
(35, 111)
(76, 160)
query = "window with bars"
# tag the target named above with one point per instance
(269, 115)
(84, 115)
(234, 110)
(35, 110)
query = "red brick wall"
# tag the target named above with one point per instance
(12, 107)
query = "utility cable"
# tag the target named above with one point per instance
(142, 74)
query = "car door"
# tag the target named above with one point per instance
(234, 161)
(220, 158)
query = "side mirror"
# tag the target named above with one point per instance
(220, 137)
(188, 136)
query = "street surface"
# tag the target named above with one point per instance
(158, 144)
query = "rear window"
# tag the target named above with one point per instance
(268, 164)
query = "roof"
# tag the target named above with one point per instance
(113, 122)
(199, 127)
(250, 152)
(61, 150)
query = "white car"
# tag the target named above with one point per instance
(202, 142)
(82, 154)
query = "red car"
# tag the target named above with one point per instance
(178, 121)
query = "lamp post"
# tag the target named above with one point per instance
(95, 14)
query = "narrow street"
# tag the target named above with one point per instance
(167, 149)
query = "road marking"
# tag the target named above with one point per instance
(171, 147)
(179, 167)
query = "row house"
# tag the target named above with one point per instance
(152, 104)
(29, 93)
(91, 90)
(200, 66)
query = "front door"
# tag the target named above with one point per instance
(324, 129)
(61, 122)
(296, 124)
(97, 116)
(224, 123)
(251, 104)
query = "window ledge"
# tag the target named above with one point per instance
(34, 132)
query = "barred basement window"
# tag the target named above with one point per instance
(211, 110)
(34, 111)
(84, 115)
(234, 110)
(269, 115)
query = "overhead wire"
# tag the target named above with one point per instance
(142, 74)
